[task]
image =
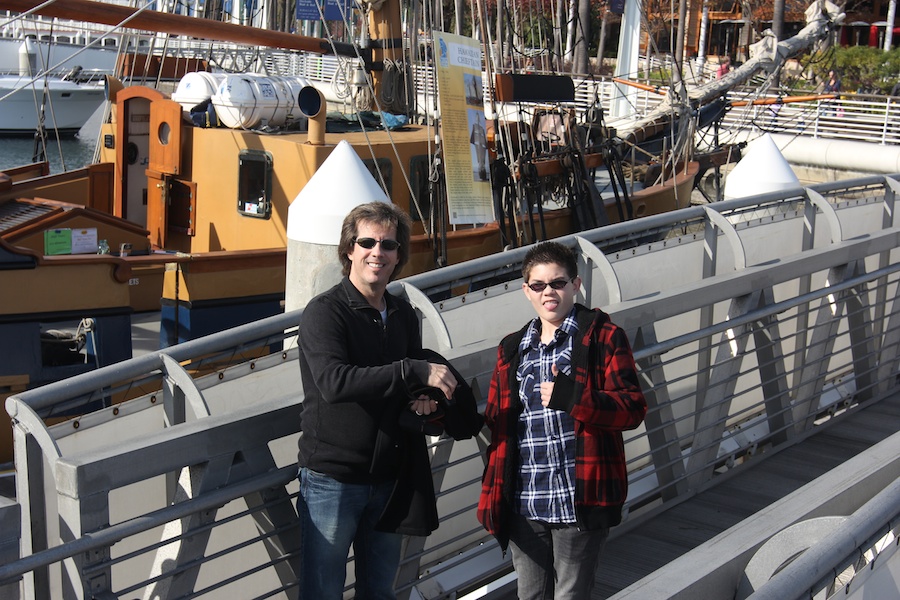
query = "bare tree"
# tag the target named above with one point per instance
(582, 36)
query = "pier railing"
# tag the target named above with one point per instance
(754, 322)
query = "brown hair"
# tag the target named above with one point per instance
(383, 214)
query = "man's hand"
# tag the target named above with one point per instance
(547, 386)
(442, 378)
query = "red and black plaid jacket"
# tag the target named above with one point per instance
(602, 395)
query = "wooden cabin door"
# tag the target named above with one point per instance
(157, 207)
(165, 164)
(132, 147)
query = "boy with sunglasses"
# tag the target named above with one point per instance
(564, 389)
(364, 481)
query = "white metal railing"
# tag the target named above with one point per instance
(845, 560)
(752, 321)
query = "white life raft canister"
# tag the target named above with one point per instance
(246, 101)
(195, 88)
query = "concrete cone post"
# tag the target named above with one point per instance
(314, 223)
(762, 169)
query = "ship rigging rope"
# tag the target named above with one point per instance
(340, 79)
(370, 90)
(392, 86)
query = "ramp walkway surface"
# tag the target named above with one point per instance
(633, 553)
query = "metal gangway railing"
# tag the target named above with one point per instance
(173, 474)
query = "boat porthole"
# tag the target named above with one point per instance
(131, 153)
(164, 132)
(116, 411)
(76, 424)
(221, 376)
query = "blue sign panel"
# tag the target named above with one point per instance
(334, 10)
(307, 10)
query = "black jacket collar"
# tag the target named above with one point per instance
(356, 300)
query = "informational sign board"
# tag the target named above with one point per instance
(57, 241)
(463, 128)
(334, 10)
(70, 241)
(84, 241)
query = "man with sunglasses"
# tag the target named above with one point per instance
(363, 481)
(564, 389)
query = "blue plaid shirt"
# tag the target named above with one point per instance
(546, 484)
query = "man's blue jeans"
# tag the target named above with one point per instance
(334, 515)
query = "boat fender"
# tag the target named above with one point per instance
(61, 347)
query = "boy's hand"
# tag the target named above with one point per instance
(423, 405)
(547, 386)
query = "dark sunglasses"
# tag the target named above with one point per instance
(539, 286)
(369, 243)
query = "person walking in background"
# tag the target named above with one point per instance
(833, 86)
(724, 67)
(564, 389)
(365, 480)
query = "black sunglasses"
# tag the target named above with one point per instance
(369, 243)
(539, 286)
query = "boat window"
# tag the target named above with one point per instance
(418, 176)
(255, 184)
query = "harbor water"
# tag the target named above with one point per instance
(63, 154)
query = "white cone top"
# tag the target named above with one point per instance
(762, 169)
(341, 184)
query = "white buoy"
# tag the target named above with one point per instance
(762, 169)
(314, 223)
